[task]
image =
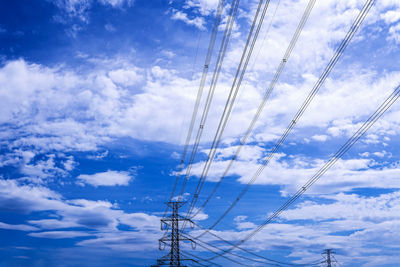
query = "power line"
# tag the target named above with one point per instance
(231, 253)
(265, 99)
(336, 261)
(231, 97)
(199, 94)
(250, 252)
(200, 259)
(259, 50)
(273, 263)
(191, 256)
(350, 142)
(350, 34)
(214, 80)
(212, 251)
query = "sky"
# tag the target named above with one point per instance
(96, 98)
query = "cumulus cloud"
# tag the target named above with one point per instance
(90, 215)
(79, 112)
(205, 7)
(108, 178)
(291, 172)
(350, 207)
(320, 138)
(68, 111)
(125, 77)
(197, 21)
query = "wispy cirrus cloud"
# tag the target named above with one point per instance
(76, 12)
(19, 227)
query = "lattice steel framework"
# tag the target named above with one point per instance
(174, 257)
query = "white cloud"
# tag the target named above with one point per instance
(140, 221)
(19, 227)
(175, 155)
(320, 138)
(125, 77)
(108, 178)
(117, 3)
(76, 12)
(349, 207)
(391, 16)
(242, 224)
(68, 111)
(109, 27)
(205, 7)
(50, 224)
(47, 167)
(73, 8)
(291, 172)
(124, 241)
(197, 21)
(101, 216)
(60, 234)
(380, 154)
(394, 32)
(78, 112)
(168, 53)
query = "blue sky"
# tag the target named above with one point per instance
(95, 103)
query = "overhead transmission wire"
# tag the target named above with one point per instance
(219, 254)
(353, 29)
(187, 254)
(201, 243)
(389, 101)
(336, 261)
(252, 253)
(197, 48)
(350, 142)
(274, 263)
(244, 60)
(199, 95)
(197, 257)
(210, 95)
(252, 68)
(204, 245)
(267, 94)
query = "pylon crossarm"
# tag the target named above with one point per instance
(169, 238)
(178, 217)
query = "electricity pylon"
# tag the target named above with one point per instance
(329, 255)
(174, 257)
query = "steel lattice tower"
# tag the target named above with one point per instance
(173, 258)
(328, 253)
